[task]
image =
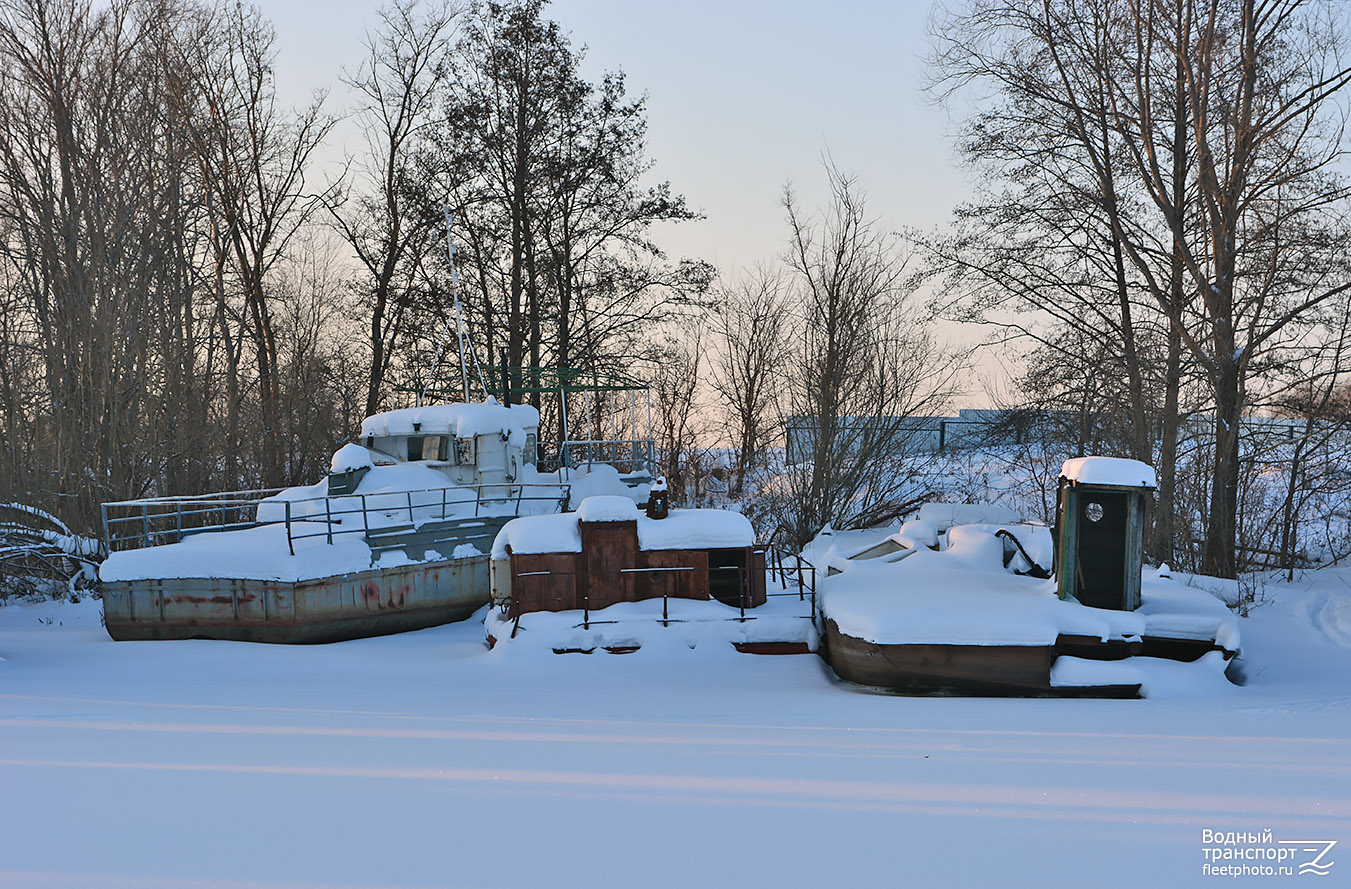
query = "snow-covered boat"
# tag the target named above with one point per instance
(974, 609)
(611, 577)
(395, 538)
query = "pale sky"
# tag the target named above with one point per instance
(744, 95)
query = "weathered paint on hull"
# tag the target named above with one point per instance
(328, 609)
(989, 670)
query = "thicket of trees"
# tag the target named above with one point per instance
(186, 305)
(163, 313)
(1163, 215)
(545, 174)
(181, 311)
(829, 346)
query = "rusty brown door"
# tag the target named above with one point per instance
(608, 548)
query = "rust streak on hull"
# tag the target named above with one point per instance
(376, 602)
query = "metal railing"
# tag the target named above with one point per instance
(626, 455)
(776, 562)
(156, 521)
(804, 593)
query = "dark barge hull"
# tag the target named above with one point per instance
(985, 670)
(376, 602)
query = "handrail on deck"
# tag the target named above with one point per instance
(238, 512)
(804, 593)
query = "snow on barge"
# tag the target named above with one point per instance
(982, 615)
(612, 578)
(394, 539)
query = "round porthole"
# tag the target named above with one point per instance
(1094, 511)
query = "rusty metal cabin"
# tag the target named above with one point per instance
(607, 553)
(1101, 522)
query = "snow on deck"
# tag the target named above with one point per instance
(249, 554)
(1157, 677)
(262, 553)
(929, 598)
(696, 529)
(1035, 540)
(384, 491)
(964, 596)
(691, 623)
(381, 501)
(1178, 611)
(459, 420)
(1116, 471)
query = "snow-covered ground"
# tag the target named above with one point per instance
(425, 760)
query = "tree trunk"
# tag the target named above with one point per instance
(1218, 551)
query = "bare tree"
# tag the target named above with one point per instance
(88, 201)
(1196, 139)
(1050, 251)
(865, 364)
(255, 158)
(1319, 395)
(1259, 82)
(674, 377)
(750, 333)
(396, 85)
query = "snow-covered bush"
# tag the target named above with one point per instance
(39, 555)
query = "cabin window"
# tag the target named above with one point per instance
(531, 454)
(427, 447)
(370, 441)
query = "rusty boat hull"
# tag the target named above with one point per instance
(374, 602)
(990, 670)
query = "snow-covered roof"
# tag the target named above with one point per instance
(539, 534)
(1115, 471)
(607, 508)
(696, 529)
(459, 420)
(681, 529)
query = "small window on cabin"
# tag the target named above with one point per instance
(433, 448)
(531, 454)
(415, 447)
(370, 441)
(1094, 511)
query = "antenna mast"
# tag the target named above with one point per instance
(461, 330)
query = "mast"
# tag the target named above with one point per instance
(461, 329)
(459, 307)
